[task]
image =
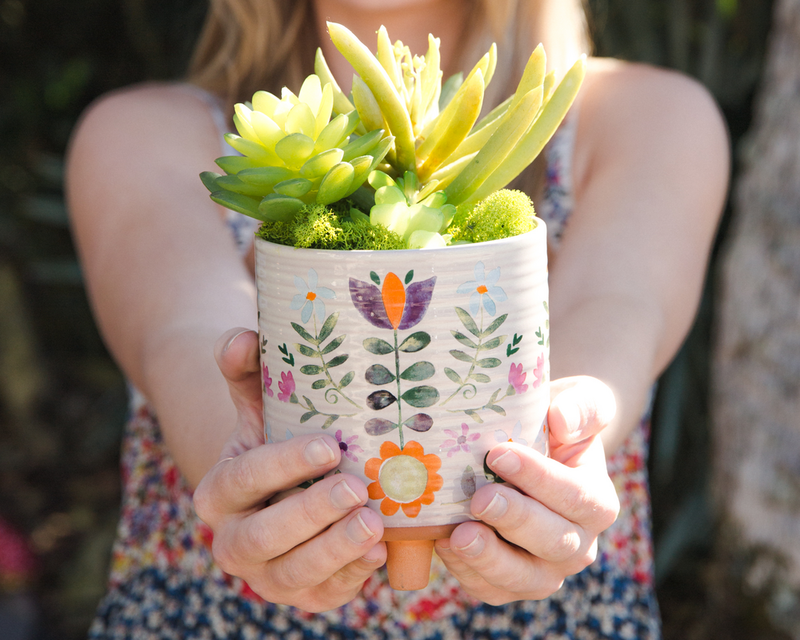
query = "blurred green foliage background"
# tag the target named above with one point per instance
(62, 400)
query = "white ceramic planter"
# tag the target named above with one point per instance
(418, 362)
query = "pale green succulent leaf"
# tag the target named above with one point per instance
(369, 111)
(361, 168)
(238, 202)
(268, 132)
(362, 145)
(324, 111)
(265, 102)
(436, 199)
(235, 164)
(392, 216)
(209, 180)
(449, 89)
(374, 76)
(426, 240)
(336, 183)
(294, 149)
(378, 179)
(321, 163)
(422, 218)
(237, 185)
(241, 121)
(341, 103)
(265, 177)
(456, 123)
(279, 208)
(332, 134)
(532, 76)
(534, 140)
(251, 149)
(496, 149)
(387, 59)
(301, 119)
(294, 187)
(449, 172)
(390, 194)
(311, 93)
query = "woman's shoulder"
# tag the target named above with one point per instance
(174, 113)
(141, 135)
(629, 109)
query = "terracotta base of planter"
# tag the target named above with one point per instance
(409, 554)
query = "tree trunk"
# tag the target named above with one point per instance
(756, 373)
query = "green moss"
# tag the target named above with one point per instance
(320, 227)
(503, 214)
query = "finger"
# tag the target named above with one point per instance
(317, 560)
(268, 533)
(580, 407)
(248, 480)
(236, 353)
(495, 571)
(583, 494)
(530, 525)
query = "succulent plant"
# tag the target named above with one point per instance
(418, 143)
(293, 154)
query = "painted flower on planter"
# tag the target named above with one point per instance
(459, 442)
(502, 436)
(347, 446)
(267, 380)
(484, 290)
(538, 371)
(309, 297)
(394, 305)
(403, 478)
(286, 386)
(516, 378)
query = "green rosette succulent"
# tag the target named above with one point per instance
(295, 152)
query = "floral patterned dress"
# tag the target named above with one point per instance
(164, 583)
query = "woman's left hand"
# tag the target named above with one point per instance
(544, 527)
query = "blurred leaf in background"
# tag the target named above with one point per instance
(62, 400)
(722, 44)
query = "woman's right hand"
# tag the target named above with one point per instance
(313, 549)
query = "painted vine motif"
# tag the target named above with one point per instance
(317, 347)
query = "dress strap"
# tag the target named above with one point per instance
(242, 227)
(558, 196)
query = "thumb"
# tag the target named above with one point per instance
(236, 353)
(580, 407)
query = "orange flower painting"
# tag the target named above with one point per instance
(404, 478)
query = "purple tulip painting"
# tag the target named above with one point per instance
(397, 305)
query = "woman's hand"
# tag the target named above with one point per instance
(313, 549)
(550, 519)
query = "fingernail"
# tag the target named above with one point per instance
(318, 453)
(473, 548)
(343, 497)
(230, 342)
(572, 416)
(495, 509)
(507, 463)
(358, 531)
(373, 555)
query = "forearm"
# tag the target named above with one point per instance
(616, 339)
(191, 399)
